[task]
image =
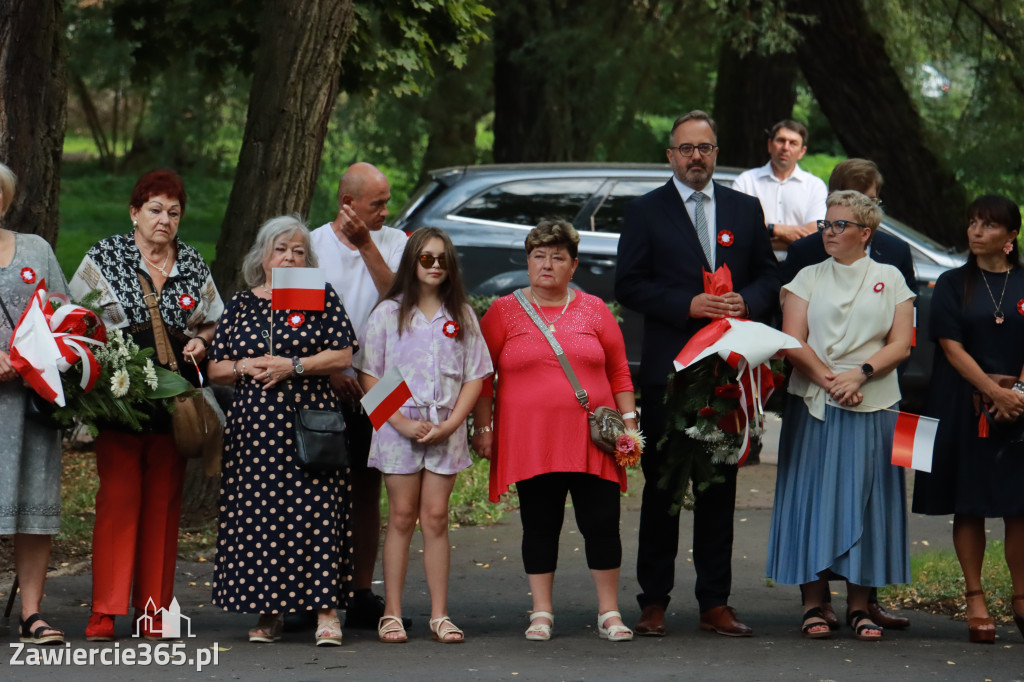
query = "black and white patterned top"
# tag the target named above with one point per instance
(188, 299)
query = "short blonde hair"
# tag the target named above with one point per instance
(865, 210)
(8, 187)
(554, 233)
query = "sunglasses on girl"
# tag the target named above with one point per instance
(427, 261)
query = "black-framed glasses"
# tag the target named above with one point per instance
(837, 226)
(704, 148)
(427, 261)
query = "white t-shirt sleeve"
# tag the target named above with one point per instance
(746, 183)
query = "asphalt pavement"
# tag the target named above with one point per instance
(490, 600)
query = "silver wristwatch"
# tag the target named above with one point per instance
(297, 366)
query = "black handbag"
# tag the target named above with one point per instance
(37, 408)
(320, 441)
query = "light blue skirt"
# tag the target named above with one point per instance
(840, 505)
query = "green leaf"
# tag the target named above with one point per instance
(169, 384)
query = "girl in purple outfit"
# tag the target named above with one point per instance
(425, 326)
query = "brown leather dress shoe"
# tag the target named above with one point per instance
(830, 616)
(881, 617)
(722, 619)
(652, 621)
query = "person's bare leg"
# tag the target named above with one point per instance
(435, 490)
(542, 586)
(969, 542)
(857, 600)
(403, 509)
(31, 558)
(607, 583)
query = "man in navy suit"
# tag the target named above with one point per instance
(863, 176)
(671, 235)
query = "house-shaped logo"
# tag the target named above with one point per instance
(169, 624)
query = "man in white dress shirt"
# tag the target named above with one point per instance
(792, 199)
(360, 255)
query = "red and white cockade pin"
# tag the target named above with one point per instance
(28, 275)
(725, 238)
(878, 287)
(1020, 306)
(187, 302)
(450, 329)
(296, 320)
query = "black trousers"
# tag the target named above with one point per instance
(542, 510)
(659, 530)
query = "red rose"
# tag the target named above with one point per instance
(733, 421)
(727, 391)
(778, 380)
(707, 412)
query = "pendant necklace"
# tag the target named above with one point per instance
(998, 314)
(158, 267)
(550, 323)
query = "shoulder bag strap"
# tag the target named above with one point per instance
(164, 352)
(581, 394)
(7, 314)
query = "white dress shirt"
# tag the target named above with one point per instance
(797, 200)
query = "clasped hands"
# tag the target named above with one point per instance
(421, 430)
(1008, 404)
(268, 369)
(844, 388)
(717, 307)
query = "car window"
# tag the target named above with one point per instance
(526, 202)
(608, 217)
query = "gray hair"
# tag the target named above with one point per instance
(270, 232)
(8, 185)
(695, 115)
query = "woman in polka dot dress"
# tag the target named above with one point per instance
(283, 536)
(424, 326)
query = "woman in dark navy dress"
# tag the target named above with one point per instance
(977, 317)
(283, 537)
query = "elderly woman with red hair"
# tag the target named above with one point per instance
(135, 539)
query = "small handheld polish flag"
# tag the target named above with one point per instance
(384, 399)
(913, 441)
(298, 289)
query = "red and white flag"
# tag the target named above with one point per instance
(913, 441)
(384, 399)
(298, 289)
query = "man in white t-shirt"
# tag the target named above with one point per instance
(360, 256)
(792, 199)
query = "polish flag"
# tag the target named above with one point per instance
(384, 399)
(298, 289)
(913, 338)
(913, 441)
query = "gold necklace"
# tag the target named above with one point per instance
(550, 323)
(998, 314)
(158, 267)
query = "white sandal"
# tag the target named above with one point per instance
(540, 632)
(445, 632)
(613, 633)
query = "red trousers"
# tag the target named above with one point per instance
(138, 507)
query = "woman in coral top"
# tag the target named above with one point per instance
(540, 438)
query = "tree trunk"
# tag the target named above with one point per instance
(753, 93)
(458, 99)
(33, 111)
(844, 60)
(294, 88)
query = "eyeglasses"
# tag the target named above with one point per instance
(427, 261)
(704, 148)
(837, 226)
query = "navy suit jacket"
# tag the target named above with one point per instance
(810, 250)
(661, 263)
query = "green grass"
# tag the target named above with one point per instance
(820, 164)
(938, 584)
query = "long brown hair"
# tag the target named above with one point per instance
(407, 285)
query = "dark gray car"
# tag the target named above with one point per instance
(488, 210)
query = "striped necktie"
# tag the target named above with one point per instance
(702, 227)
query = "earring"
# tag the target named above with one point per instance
(135, 223)
(1008, 247)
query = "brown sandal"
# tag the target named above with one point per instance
(980, 630)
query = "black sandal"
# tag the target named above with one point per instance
(856, 620)
(805, 630)
(36, 636)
